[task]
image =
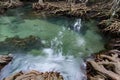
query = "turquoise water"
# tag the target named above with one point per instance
(65, 47)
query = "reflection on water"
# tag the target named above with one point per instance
(65, 48)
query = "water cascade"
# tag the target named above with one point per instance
(77, 26)
(64, 49)
(52, 60)
(115, 7)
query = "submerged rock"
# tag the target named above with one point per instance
(104, 66)
(16, 43)
(35, 75)
(4, 60)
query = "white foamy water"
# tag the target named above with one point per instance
(77, 25)
(64, 52)
(68, 66)
(53, 60)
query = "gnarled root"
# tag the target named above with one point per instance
(65, 9)
(35, 75)
(4, 60)
(113, 44)
(110, 27)
(104, 66)
(12, 4)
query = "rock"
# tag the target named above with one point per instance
(104, 66)
(4, 60)
(24, 44)
(35, 75)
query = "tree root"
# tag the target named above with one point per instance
(12, 4)
(35, 75)
(110, 27)
(104, 66)
(113, 44)
(4, 60)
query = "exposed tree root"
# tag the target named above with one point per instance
(61, 8)
(110, 27)
(113, 44)
(35, 75)
(4, 60)
(104, 66)
(12, 4)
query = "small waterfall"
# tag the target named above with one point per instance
(83, 1)
(56, 43)
(71, 68)
(115, 7)
(77, 25)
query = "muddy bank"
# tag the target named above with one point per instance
(4, 60)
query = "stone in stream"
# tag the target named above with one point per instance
(4, 60)
(35, 75)
(104, 66)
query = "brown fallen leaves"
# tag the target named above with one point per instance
(35, 75)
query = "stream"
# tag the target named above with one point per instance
(67, 42)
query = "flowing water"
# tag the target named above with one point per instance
(67, 42)
(115, 7)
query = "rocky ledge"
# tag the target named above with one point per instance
(4, 60)
(35, 75)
